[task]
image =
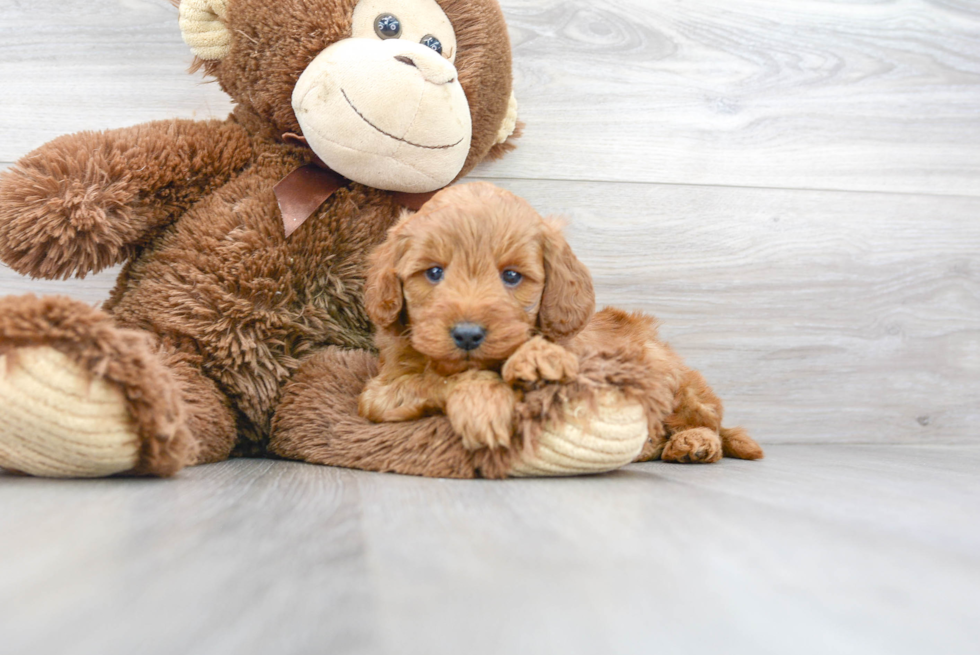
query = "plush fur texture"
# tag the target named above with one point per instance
(683, 413)
(88, 201)
(286, 36)
(213, 295)
(153, 393)
(473, 235)
(318, 422)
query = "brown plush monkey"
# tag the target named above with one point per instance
(237, 325)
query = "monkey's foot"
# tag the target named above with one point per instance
(57, 421)
(590, 437)
(82, 397)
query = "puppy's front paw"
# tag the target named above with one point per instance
(540, 359)
(481, 411)
(694, 446)
(382, 402)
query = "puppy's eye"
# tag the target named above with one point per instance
(387, 26)
(511, 278)
(430, 41)
(435, 274)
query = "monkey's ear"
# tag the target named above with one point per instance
(510, 130)
(383, 291)
(202, 24)
(568, 301)
(509, 126)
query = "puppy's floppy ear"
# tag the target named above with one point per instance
(568, 301)
(383, 291)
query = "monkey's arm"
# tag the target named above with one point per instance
(84, 202)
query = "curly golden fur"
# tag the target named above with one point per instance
(473, 234)
(481, 257)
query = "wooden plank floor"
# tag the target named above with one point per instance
(792, 187)
(817, 549)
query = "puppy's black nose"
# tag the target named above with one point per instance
(468, 336)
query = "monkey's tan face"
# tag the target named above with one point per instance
(385, 107)
(373, 85)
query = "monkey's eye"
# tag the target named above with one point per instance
(511, 278)
(388, 26)
(435, 274)
(430, 41)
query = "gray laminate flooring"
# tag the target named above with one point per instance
(793, 187)
(817, 549)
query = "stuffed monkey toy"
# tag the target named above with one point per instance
(238, 320)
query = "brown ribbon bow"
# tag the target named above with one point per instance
(301, 193)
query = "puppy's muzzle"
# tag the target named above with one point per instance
(468, 336)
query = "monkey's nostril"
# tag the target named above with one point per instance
(406, 60)
(468, 336)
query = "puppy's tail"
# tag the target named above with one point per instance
(736, 442)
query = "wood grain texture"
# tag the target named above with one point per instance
(73, 65)
(871, 95)
(851, 549)
(817, 316)
(877, 95)
(94, 289)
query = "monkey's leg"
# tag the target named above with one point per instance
(82, 397)
(317, 421)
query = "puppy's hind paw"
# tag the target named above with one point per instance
(540, 359)
(694, 446)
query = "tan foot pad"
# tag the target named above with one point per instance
(58, 422)
(588, 442)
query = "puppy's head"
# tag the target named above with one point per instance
(473, 275)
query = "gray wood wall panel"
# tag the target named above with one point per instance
(807, 94)
(72, 65)
(817, 315)
(791, 187)
(871, 95)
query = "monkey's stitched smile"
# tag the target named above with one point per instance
(392, 136)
